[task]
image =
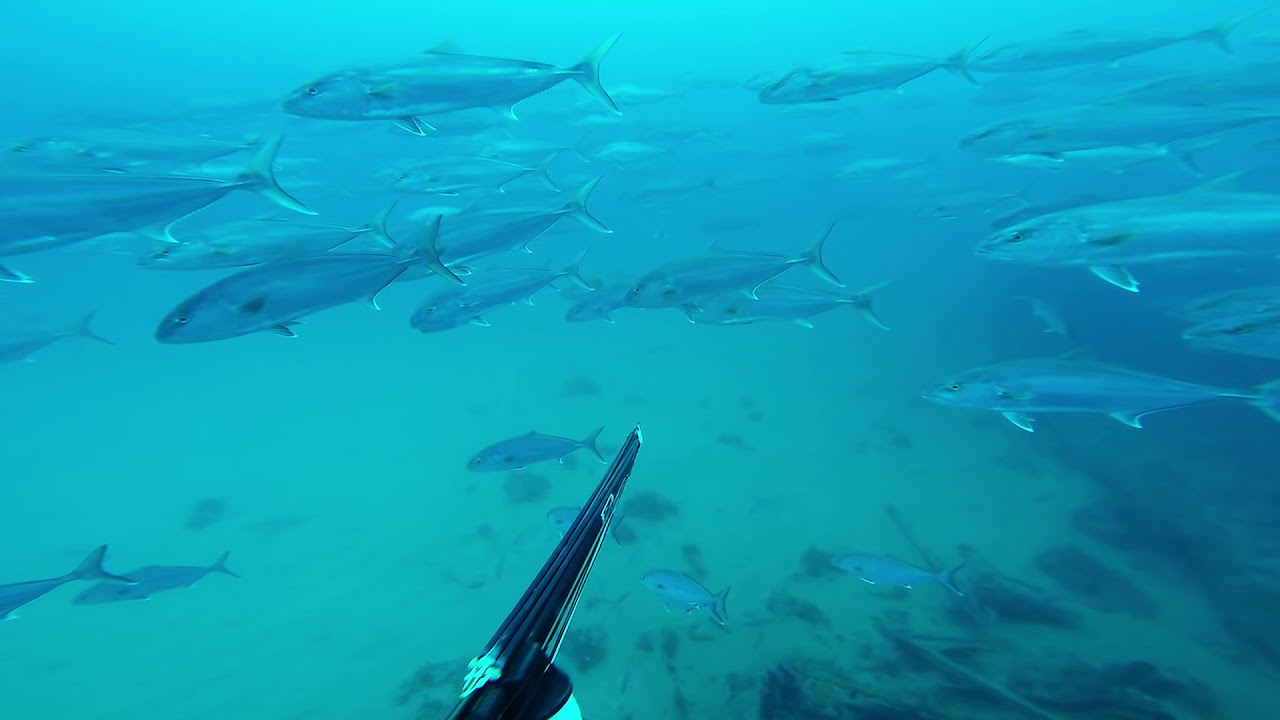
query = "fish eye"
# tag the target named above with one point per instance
(637, 290)
(1017, 238)
(181, 319)
(954, 387)
(1242, 329)
(165, 252)
(313, 91)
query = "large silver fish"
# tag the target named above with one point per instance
(242, 243)
(436, 82)
(46, 211)
(680, 283)
(1203, 223)
(273, 297)
(477, 233)
(120, 149)
(1020, 389)
(1106, 126)
(457, 306)
(785, 304)
(857, 72)
(454, 176)
(1085, 47)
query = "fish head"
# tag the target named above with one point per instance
(179, 255)
(969, 391)
(797, 86)
(338, 96)
(199, 318)
(653, 293)
(1237, 333)
(1011, 137)
(1044, 239)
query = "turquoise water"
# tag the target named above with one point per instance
(332, 467)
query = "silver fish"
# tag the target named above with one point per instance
(532, 447)
(475, 233)
(685, 593)
(457, 306)
(857, 72)
(1231, 303)
(273, 297)
(147, 581)
(1256, 334)
(884, 570)
(1019, 389)
(680, 283)
(45, 211)
(1083, 47)
(121, 149)
(1203, 223)
(1106, 126)
(786, 304)
(260, 240)
(436, 82)
(458, 175)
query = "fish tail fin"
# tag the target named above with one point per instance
(573, 271)
(423, 251)
(1267, 399)
(1186, 155)
(590, 443)
(813, 258)
(260, 177)
(1220, 34)
(587, 73)
(91, 568)
(958, 62)
(577, 208)
(719, 610)
(8, 274)
(84, 329)
(220, 565)
(948, 579)
(377, 226)
(864, 302)
(541, 167)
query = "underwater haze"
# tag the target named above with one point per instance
(954, 332)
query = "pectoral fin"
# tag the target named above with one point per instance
(1130, 418)
(1021, 420)
(1116, 275)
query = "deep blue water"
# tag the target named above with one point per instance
(332, 466)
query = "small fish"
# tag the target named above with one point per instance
(15, 595)
(20, 345)
(881, 569)
(1049, 315)
(682, 591)
(532, 447)
(151, 580)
